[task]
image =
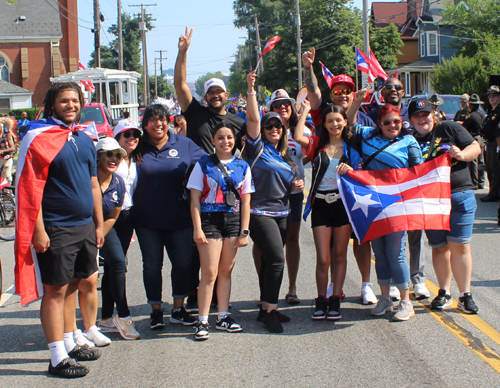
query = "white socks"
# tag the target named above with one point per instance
(57, 352)
(203, 318)
(69, 341)
(222, 314)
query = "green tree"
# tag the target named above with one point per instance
(385, 43)
(332, 26)
(200, 82)
(238, 83)
(164, 88)
(460, 75)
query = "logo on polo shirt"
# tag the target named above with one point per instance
(114, 196)
(173, 153)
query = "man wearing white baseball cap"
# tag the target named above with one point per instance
(201, 120)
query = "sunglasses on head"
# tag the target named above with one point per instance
(269, 127)
(135, 133)
(339, 92)
(391, 86)
(110, 154)
(279, 104)
(389, 122)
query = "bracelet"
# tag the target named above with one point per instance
(251, 94)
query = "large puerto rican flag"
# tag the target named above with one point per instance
(385, 201)
(39, 147)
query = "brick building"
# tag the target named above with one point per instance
(38, 40)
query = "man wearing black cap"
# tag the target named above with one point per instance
(472, 123)
(491, 135)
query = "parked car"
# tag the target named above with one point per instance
(99, 114)
(450, 106)
(141, 114)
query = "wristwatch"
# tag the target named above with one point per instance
(245, 232)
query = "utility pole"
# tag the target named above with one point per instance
(299, 43)
(142, 27)
(156, 77)
(97, 43)
(120, 41)
(161, 60)
(366, 41)
(258, 47)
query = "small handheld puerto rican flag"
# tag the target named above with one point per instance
(385, 201)
(363, 63)
(327, 74)
(89, 85)
(268, 47)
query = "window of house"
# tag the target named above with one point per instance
(407, 84)
(422, 44)
(4, 105)
(432, 43)
(4, 69)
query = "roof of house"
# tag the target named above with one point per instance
(8, 88)
(385, 13)
(41, 20)
(432, 10)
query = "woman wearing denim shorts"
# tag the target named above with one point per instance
(451, 253)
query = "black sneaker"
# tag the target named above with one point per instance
(180, 315)
(272, 322)
(467, 305)
(68, 368)
(192, 302)
(201, 333)
(333, 309)
(227, 323)
(441, 301)
(84, 353)
(157, 320)
(282, 317)
(320, 309)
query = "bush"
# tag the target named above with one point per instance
(32, 112)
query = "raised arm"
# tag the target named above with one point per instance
(253, 116)
(313, 91)
(181, 88)
(352, 112)
(299, 128)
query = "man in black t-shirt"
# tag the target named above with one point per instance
(201, 120)
(472, 122)
(462, 113)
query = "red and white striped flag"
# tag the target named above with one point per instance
(89, 85)
(269, 46)
(375, 67)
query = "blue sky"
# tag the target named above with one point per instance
(215, 38)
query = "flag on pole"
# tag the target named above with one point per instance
(375, 67)
(396, 74)
(269, 46)
(363, 64)
(327, 74)
(385, 201)
(89, 85)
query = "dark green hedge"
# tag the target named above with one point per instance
(32, 112)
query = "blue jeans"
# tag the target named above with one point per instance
(178, 245)
(390, 260)
(463, 210)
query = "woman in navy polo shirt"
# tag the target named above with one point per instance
(162, 216)
(274, 176)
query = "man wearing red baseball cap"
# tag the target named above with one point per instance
(342, 92)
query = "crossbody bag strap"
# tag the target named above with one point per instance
(431, 145)
(228, 180)
(374, 155)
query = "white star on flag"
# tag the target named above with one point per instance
(363, 202)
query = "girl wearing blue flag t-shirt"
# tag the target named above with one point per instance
(220, 208)
(330, 154)
(388, 146)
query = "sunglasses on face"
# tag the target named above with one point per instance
(389, 122)
(135, 133)
(110, 154)
(269, 127)
(391, 86)
(279, 104)
(339, 92)
(215, 92)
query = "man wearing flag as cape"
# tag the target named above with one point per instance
(59, 224)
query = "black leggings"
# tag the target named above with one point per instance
(269, 234)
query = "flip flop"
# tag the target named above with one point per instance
(292, 299)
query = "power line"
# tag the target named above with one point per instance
(64, 16)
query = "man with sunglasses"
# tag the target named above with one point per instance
(393, 92)
(200, 119)
(341, 94)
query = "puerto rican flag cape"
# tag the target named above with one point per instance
(39, 147)
(385, 201)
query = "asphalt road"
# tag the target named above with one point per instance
(446, 349)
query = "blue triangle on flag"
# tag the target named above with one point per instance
(364, 204)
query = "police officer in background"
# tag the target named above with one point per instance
(491, 135)
(464, 111)
(473, 121)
